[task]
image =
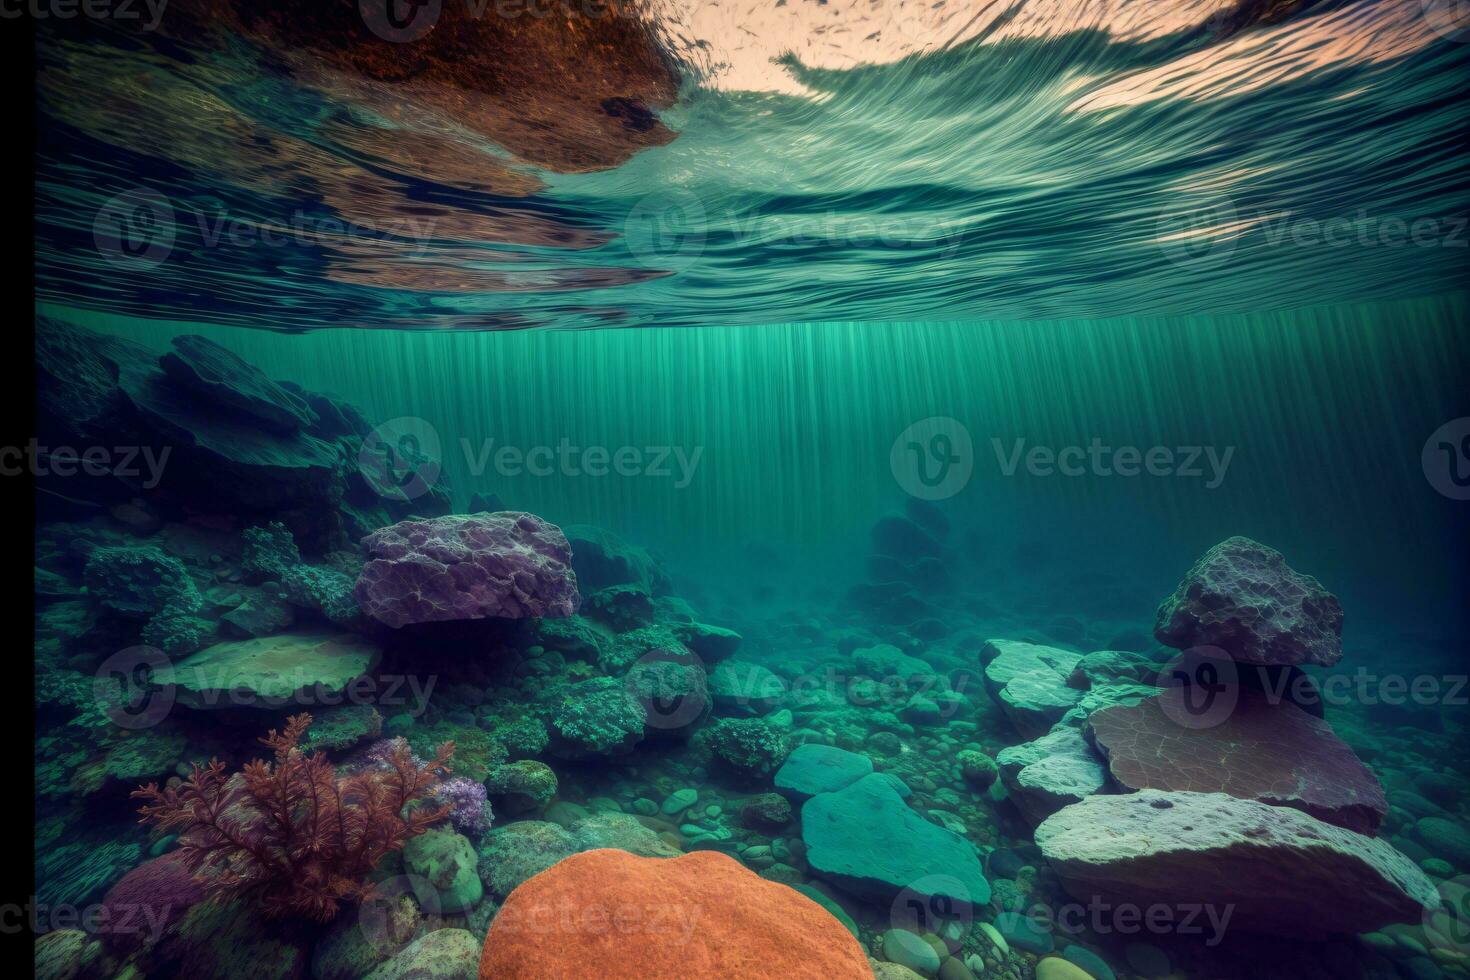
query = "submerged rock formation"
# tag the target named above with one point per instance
(1274, 753)
(865, 838)
(1274, 869)
(1030, 683)
(467, 566)
(699, 915)
(268, 671)
(1243, 598)
(1050, 772)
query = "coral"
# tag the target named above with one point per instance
(598, 717)
(524, 786)
(748, 927)
(749, 746)
(269, 551)
(140, 582)
(326, 590)
(509, 564)
(469, 811)
(148, 900)
(295, 832)
(175, 632)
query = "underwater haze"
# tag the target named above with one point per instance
(844, 489)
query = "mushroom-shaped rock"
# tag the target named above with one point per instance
(1243, 598)
(1274, 869)
(608, 913)
(467, 566)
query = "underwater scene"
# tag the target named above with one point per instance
(749, 490)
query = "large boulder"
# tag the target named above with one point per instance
(1030, 683)
(467, 566)
(865, 838)
(602, 559)
(700, 915)
(1053, 771)
(1272, 869)
(814, 768)
(301, 668)
(221, 379)
(1243, 598)
(1260, 750)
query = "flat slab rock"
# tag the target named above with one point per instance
(1030, 683)
(1243, 598)
(467, 566)
(813, 768)
(227, 382)
(1273, 869)
(268, 671)
(1272, 752)
(866, 839)
(1053, 771)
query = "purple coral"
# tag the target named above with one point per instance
(466, 799)
(467, 566)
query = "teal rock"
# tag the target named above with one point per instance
(1030, 682)
(864, 837)
(745, 689)
(1056, 770)
(1147, 960)
(886, 662)
(812, 768)
(909, 949)
(679, 800)
(1088, 960)
(710, 644)
(448, 862)
(749, 747)
(1023, 932)
(1445, 839)
(643, 805)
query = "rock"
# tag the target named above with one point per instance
(444, 954)
(511, 565)
(1057, 968)
(1024, 932)
(339, 727)
(602, 559)
(710, 644)
(596, 717)
(224, 382)
(58, 954)
(865, 838)
(954, 968)
(767, 811)
(977, 768)
(892, 971)
(621, 831)
(1092, 964)
(745, 689)
(512, 853)
(1243, 598)
(673, 695)
(1106, 667)
(678, 801)
(260, 614)
(1030, 683)
(1445, 839)
(448, 862)
(908, 949)
(1272, 752)
(302, 668)
(1281, 871)
(887, 663)
(1053, 771)
(899, 537)
(620, 607)
(147, 901)
(749, 747)
(814, 768)
(706, 916)
(233, 939)
(521, 787)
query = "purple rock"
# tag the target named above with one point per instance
(467, 566)
(1243, 598)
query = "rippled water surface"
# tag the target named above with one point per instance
(698, 164)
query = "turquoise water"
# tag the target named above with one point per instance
(689, 410)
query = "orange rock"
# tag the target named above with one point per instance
(614, 915)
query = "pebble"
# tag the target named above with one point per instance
(679, 800)
(909, 949)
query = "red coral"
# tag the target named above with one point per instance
(295, 832)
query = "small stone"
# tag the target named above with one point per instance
(679, 801)
(909, 949)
